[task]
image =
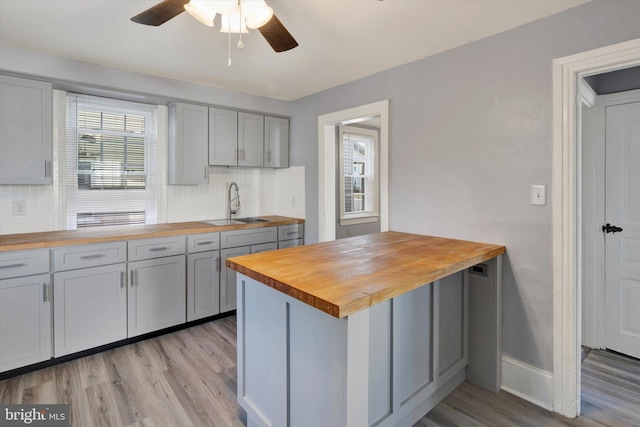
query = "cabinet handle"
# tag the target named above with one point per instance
(161, 248)
(218, 264)
(289, 233)
(131, 278)
(121, 279)
(94, 256)
(47, 168)
(210, 242)
(45, 292)
(22, 264)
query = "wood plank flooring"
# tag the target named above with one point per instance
(188, 378)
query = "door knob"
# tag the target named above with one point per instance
(608, 228)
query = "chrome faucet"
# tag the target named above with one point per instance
(236, 199)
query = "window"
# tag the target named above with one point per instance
(359, 175)
(111, 162)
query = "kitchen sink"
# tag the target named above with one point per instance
(252, 220)
(222, 222)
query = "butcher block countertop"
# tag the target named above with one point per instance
(345, 276)
(48, 239)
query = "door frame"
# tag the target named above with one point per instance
(327, 164)
(567, 215)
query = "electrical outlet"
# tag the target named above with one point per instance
(19, 207)
(538, 195)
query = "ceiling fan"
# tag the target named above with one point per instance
(236, 17)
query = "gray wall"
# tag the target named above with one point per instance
(470, 131)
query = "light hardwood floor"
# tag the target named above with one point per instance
(188, 378)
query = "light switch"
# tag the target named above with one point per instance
(538, 195)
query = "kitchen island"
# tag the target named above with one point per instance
(369, 330)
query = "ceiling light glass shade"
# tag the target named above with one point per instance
(256, 13)
(224, 7)
(233, 23)
(202, 11)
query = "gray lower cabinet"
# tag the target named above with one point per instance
(90, 296)
(203, 275)
(25, 321)
(26, 131)
(228, 278)
(25, 308)
(236, 243)
(290, 235)
(156, 294)
(90, 308)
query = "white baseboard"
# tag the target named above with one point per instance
(527, 382)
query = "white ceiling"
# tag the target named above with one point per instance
(340, 40)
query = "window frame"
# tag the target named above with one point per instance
(80, 200)
(372, 176)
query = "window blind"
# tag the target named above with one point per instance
(111, 162)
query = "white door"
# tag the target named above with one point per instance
(623, 211)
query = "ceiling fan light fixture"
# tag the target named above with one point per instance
(233, 23)
(201, 10)
(224, 7)
(258, 14)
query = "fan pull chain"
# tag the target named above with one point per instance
(229, 34)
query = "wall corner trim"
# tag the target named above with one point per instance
(527, 382)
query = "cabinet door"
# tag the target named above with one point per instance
(25, 321)
(223, 137)
(188, 144)
(276, 142)
(157, 294)
(250, 139)
(25, 131)
(203, 285)
(90, 308)
(228, 278)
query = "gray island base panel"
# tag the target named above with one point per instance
(386, 365)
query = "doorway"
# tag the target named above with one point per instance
(567, 212)
(357, 178)
(609, 197)
(327, 123)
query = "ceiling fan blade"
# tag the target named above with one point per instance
(277, 35)
(160, 13)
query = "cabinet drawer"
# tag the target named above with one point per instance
(156, 247)
(74, 257)
(290, 232)
(290, 243)
(203, 242)
(265, 247)
(250, 236)
(23, 263)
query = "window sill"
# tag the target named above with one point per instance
(359, 220)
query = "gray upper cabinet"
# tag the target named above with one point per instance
(276, 142)
(188, 144)
(250, 139)
(25, 131)
(223, 137)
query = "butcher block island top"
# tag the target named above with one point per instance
(345, 276)
(48, 239)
